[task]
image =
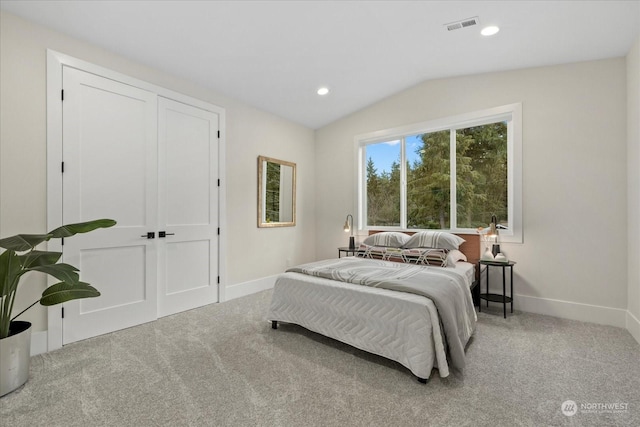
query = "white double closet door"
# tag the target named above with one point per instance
(150, 163)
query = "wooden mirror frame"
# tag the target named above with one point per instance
(262, 160)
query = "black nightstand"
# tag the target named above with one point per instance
(504, 299)
(346, 250)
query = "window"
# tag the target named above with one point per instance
(383, 184)
(449, 174)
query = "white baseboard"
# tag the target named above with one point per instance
(38, 342)
(572, 310)
(633, 326)
(550, 307)
(248, 288)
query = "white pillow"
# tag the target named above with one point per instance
(390, 239)
(454, 256)
(434, 239)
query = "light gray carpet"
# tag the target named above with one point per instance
(223, 365)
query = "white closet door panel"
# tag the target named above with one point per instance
(188, 182)
(188, 206)
(113, 156)
(110, 163)
(187, 266)
(118, 288)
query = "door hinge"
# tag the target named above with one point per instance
(218, 134)
(62, 94)
(218, 183)
(62, 241)
(62, 167)
(63, 312)
(218, 231)
(218, 279)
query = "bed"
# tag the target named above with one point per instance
(365, 301)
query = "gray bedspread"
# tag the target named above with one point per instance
(444, 286)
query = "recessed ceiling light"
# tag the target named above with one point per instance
(323, 91)
(490, 30)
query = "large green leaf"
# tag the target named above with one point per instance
(9, 270)
(39, 258)
(81, 227)
(63, 292)
(23, 242)
(64, 272)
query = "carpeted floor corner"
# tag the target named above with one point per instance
(223, 365)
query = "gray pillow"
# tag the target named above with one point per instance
(434, 239)
(390, 239)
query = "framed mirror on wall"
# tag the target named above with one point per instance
(276, 193)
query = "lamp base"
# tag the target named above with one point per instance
(495, 249)
(352, 242)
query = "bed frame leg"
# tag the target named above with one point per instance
(422, 380)
(274, 324)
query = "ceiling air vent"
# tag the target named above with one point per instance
(469, 22)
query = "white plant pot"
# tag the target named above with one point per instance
(15, 357)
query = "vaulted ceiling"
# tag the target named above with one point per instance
(275, 54)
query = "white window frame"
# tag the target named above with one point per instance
(511, 113)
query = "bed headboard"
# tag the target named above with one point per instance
(471, 246)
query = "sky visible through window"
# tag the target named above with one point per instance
(386, 153)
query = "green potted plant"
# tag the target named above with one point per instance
(20, 257)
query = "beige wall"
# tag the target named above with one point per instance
(579, 186)
(633, 173)
(574, 175)
(250, 132)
